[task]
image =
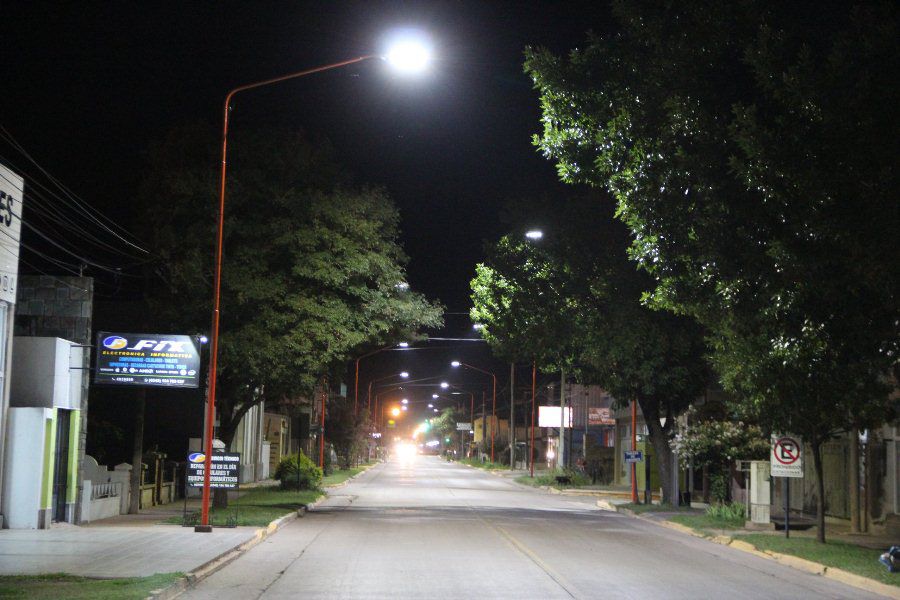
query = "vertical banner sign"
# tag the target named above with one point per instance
(786, 458)
(147, 359)
(224, 472)
(11, 192)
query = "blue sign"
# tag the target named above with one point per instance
(147, 359)
(634, 456)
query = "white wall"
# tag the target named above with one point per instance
(24, 467)
(41, 373)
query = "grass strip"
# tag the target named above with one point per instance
(344, 474)
(848, 557)
(260, 506)
(706, 524)
(487, 465)
(71, 587)
(639, 509)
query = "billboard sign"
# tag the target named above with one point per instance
(787, 456)
(147, 359)
(600, 416)
(11, 193)
(548, 416)
(224, 473)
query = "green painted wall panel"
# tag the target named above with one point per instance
(49, 461)
(72, 475)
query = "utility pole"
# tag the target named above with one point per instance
(561, 461)
(634, 494)
(483, 418)
(512, 416)
(533, 409)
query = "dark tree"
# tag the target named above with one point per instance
(751, 148)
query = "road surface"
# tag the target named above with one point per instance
(425, 528)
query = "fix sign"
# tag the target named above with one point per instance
(787, 456)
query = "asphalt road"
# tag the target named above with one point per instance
(425, 528)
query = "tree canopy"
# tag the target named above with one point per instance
(751, 150)
(575, 298)
(312, 268)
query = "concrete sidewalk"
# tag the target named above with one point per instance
(122, 546)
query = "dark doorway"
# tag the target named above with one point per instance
(61, 472)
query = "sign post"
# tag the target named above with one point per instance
(787, 461)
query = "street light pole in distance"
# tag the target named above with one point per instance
(406, 55)
(356, 378)
(457, 363)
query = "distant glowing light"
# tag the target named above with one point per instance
(455, 363)
(404, 407)
(445, 385)
(404, 451)
(395, 411)
(404, 374)
(478, 326)
(404, 401)
(403, 344)
(435, 396)
(431, 406)
(534, 234)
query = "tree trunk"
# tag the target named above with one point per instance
(854, 480)
(659, 438)
(820, 490)
(134, 504)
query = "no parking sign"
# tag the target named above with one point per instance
(786, 458)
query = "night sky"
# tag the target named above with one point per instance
(87, 87)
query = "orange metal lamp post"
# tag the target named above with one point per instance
(403, 56)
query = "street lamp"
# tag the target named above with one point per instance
(457, 363)
(406, 55)
(534, 234)
(403, 374)
(356, 380)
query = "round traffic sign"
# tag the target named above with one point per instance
(786, 451)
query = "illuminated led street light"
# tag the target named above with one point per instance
(445, 385)
(404, 407)
(435, 396)
(431, 406)
(403, 344)
(409, 55)
(405, 401)
(534, 234)
(455, 363)
(404, 374)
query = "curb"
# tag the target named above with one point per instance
(338, 486)
(795, 562)
(208, 568)
(220, 561)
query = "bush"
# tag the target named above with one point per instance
(731, 513)
(297, 471)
